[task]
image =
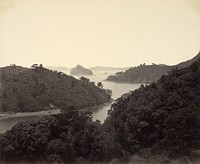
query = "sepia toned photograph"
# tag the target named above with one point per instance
(99, 81)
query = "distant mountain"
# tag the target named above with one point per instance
(141, 74)
(37, 89)
(80, 70)
(147, 73)
(102, 68)
(58, 68)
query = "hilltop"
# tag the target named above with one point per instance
(147, 73)
(80, 70)
(38, 88)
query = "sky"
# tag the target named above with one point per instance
(117, 33)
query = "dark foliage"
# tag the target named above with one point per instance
(35, 89)
(162, 115)
(63, 137)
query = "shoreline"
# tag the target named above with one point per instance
(96, 107)
(8, 115)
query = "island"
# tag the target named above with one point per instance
(80, 70)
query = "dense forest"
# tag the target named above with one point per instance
(161, 116)
(156, 119)
(37, 89)
(147, 73)
(66, 137)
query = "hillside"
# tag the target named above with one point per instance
(162, 116)
(141, 74)
(80, 70)
(147, 73)
(37, 89)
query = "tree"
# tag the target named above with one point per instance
(84, 79)
(109, 91)
(100, 85)
(34, 66)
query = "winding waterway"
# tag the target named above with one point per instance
(118, 89)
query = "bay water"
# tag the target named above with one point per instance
(118, 89)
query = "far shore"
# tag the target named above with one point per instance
(26, 114)
(128, 82)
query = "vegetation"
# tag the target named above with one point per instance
(64, 137)
(141, 74)
(67, 137)
(38, 88)
(147, 73)
(80, 70)
(160, 117)
(100, 85)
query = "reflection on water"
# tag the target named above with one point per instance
(117, 88)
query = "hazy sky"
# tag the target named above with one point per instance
(98, 32)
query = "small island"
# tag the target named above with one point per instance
(80, 70)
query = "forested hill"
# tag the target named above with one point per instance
(158, 123)
(141, 74)
(37, 89)
(147, 73)
(163, 115)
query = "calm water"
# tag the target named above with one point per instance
(117, 88)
